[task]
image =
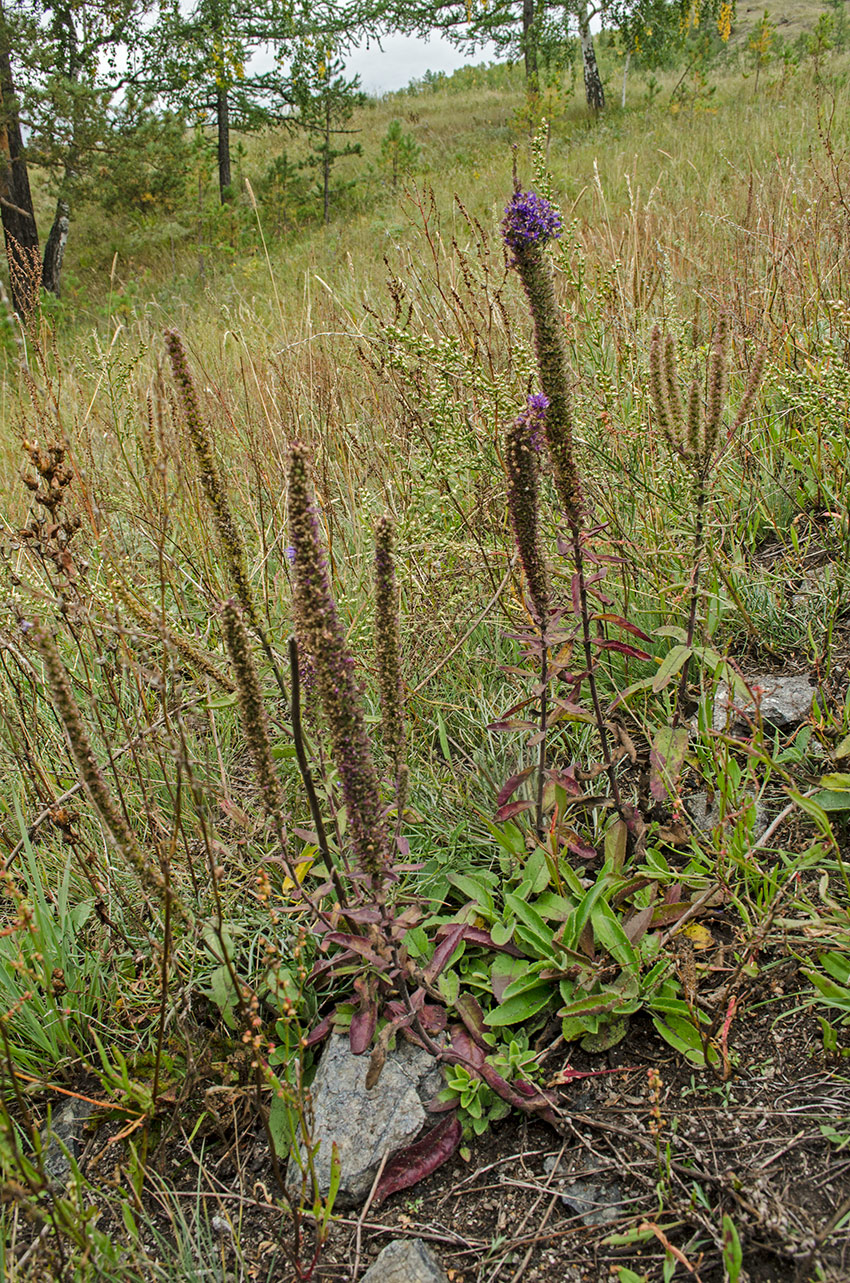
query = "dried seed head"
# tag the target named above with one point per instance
(523, 469)
(716, 390)
(755, 377)
(213, 486)
(338, 690)
(389, 655)
(252, 709)
(148, 872)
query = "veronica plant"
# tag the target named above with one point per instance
(530, 223)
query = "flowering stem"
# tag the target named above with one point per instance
(589, 659)
(544, 714)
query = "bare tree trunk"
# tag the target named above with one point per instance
(20, 230)
(54, 250)
(222, 112)
(625, 79)
(593, 90)
(529, 45)
(326, 163)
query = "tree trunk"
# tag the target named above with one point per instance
(54, 250)
(222, 111)
(625, 79)
(593, 90)
(326, 162)
(20, 230)
(529, 45)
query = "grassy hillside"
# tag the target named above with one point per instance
(174, 887)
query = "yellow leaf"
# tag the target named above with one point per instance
(699, 936)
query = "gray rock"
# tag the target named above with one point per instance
(783, 702)
(706, 817)
(596, 1204)
(406, 1260)
(66, 1125)
(365, 1124)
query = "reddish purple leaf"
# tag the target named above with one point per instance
(637, 925)
(510, 786)
(510, 809)
(673, 894)
(321, 1031)
(664, 915)
(581, 849)
(413, 1163)
(470, 1012)
(363, 913)
(444, 951)
(361, 1031)
(521, 1095)
(477, 935)
(575, 589)
(433, 1018)
(623, 648)
(623, 623)
(566, 780)
(357, 945)
(462, 1050)
(365, 1019)
(512, 724)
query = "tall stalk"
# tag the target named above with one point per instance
(530, 223)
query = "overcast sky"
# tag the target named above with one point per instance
(406, 58)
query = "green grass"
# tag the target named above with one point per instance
(402, 376)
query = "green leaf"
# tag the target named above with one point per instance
(521, 1008)
(539, 934)
(417, 943)
(616, 842)
(610, 935)
(536, 871)
(682, 1037)
(673, 661)
(281, 1121)
(474, 889)
(501, 932)
(448, 982)
(528, 977)
(443, 737)
(509, 836)
(223, 994)
(733, 1256)
(831, 800)
(838, 966)
(610, 1034)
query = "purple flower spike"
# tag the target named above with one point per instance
(535, 418)
(529, 220)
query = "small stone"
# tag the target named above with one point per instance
(782, 702)
(66, 1125)
(365, 1124)
(406, 1260)
(596, 1204)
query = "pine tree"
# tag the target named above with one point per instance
(325, 103)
